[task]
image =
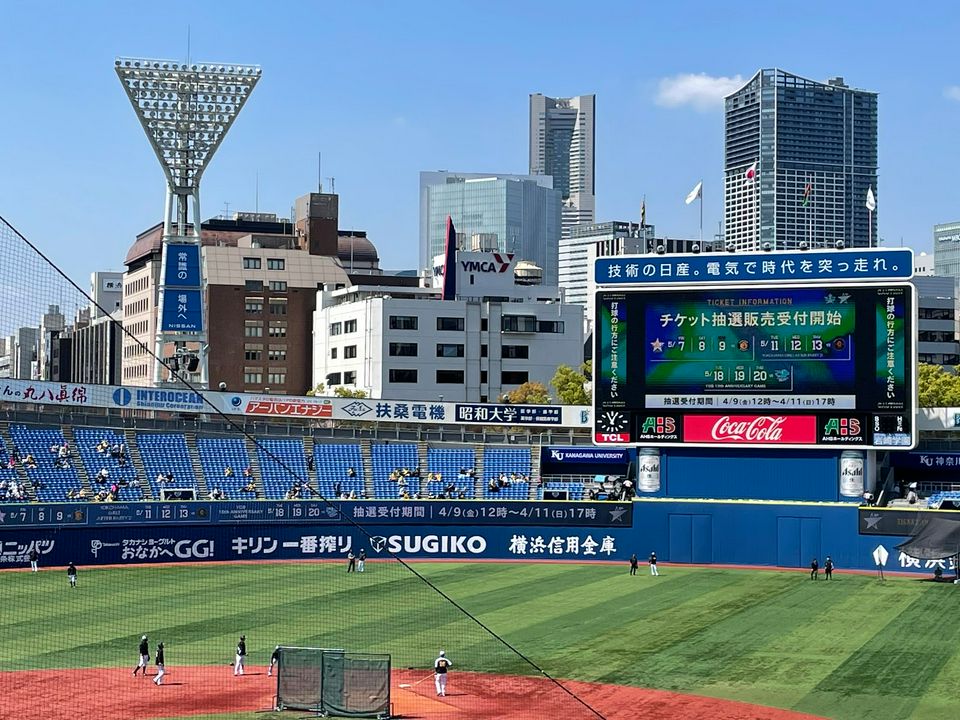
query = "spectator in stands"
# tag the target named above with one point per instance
(394, 476)
(103, 446)
(337, 489)
(310, 461)
(71, 494)
(29, 463)
(912, 496)
(250, 487)
(351, 472)
(63, 452)
(122, 461)
(160, 479)
(216, 494)
(115, 450)
(101, 477)
(461, 495)
(228, 471)
(353, 495)
(134, 483)
(592, 494)
(61, 462)
(247, 472)
(493, 486)
(54, 449)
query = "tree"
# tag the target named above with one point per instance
(530, 393)
(320, 389)
(571, 385)
(936, 387)
(342, 391)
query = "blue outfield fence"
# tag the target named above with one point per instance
(703, 532)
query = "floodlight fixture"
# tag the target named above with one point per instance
(185, 111)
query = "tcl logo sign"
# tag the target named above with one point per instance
(751, 429)
(611, 437)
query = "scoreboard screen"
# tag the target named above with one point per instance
(756, 366)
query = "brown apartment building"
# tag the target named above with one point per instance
(262, 277)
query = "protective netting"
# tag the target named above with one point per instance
(333, 682)
(81, 644)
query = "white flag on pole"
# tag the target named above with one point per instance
(695, 193)
(871, 199)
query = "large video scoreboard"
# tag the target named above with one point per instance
(825, 365)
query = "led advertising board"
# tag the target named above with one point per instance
(783, 366)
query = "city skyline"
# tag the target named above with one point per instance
(87, 180)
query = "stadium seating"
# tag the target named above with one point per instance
(506, 461)
(93, 461)
(389, 457)
(279, 459)
(164, 453)
(216, 455)
(331, 462)
(449, 462)
(55, 482)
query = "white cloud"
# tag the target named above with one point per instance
(699, 90)
(952, 92)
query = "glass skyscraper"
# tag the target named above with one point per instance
(562, 139)
(814, 148)
(522, 214)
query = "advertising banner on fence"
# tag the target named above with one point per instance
(78, 395)
(165, 543)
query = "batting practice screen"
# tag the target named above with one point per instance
(333, 682)
(820, 366)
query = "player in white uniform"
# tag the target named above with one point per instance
(440, 667)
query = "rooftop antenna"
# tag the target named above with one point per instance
(319, 172)
(333, 185)
(188, 44)
(226, 210)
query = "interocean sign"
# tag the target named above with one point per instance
(162, 400)
(751, 429)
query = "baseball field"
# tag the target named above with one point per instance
(845, 649)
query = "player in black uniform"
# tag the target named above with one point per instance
(814, 569)
(161, 670)
(634, 564)
(241, 656)
(72, 575)
(144, 651)
(274, 659)
(828, 568)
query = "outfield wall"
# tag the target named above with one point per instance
(691, 531)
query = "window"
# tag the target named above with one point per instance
(449, 323)
(274, 264)
(277, 378)
(278, 286)
(276, 354)
(350, 377)
(550, 326)
(513, 377)
(350, 352)
(483, 376)
(253, 331)
(518, 323)
(403, 349)
(253, 285)
(333, 353)
(253, 354)
(333, 379)
(403, 322)
(278, 307)
(450, 377)
(349, 326)
(403, 375)
(251, 263)
(253, 307)
(251, 378)
(483, 350)
(336, 328)
(483, 325)
(446, 350)
(516, 352)
(278, 332)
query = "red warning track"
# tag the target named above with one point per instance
(113, 694)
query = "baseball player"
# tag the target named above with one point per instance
(351, 562)
(144, 651)
(440, 667)
(653, 564)
(634, 563)
(34, 557)
(361, 559)
(274, 659)
(161, 671)
(241, 656)
(72, 575)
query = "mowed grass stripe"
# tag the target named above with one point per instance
(912, 647)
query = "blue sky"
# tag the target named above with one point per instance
(385, 90)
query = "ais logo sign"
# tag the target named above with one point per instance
(841, 427)
(659, 425)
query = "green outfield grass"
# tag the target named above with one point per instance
(851, 648)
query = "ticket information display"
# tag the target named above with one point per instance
(813, 365)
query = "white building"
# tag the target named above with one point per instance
(407, 343)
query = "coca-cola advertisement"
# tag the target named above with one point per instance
(751, 429)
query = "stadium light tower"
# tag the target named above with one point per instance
(185, 110)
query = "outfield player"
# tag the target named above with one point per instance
(440, 667)
(653, 564)
(34, 558)
(828, 568)
(161, 670)
(144, 651)
(361, 559)
(351, 562)
(72, 575)
(241, 656)
(274, 659)
(814, 569)
(634, 564)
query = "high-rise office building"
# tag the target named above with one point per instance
(513, 214)
(799, 157)
(562, 139)
(946, 249)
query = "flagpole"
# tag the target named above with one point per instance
(701, 213)
(870, 228)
